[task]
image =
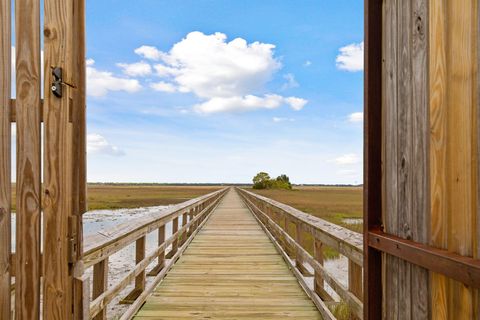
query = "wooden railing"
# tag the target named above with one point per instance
(288, 228)
(100, 246)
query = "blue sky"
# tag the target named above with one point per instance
(216, 91)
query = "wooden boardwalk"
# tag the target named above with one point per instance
(231, 270)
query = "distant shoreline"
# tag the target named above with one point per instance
(214, 184)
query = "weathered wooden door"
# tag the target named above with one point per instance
(40, 274)
(422, 230)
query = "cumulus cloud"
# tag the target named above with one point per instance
(290, 81)
(355, 117)
(248, 103)
(149, 52)
(97, 144)
(138, 69)
(239, 103)
(99, 83)
(163, 87)
(226, 76)
(348, 159)
(350, 57)
(296, 104)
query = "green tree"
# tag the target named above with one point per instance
(283, 182)
(261, 181)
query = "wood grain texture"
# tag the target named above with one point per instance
(300, 238)
(390, 179)
(346, 242)
(454, 146)
(59, 52)
(100, 285)
(438, 151)
(175, 229)
(202, 217)
(348, 297)
(355, 283)
(461, 143)
(161, 256)
(79, 178)
(5, 158)
(27, 264)
(140, 277)
(198, 286)
(406, 136)
(106, 297)
(184, 222)
(420, 137)
(99, 245)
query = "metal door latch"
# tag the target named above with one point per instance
(57, 82)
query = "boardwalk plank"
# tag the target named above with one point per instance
(230, 270)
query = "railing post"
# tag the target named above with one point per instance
(299, 234)
(100, 284)
(194, 214)
(355, 279)
(319, 283)
(271, 214)
(139, 256)
(290, 251)
(161, 256)
(184, 233)
(175, 241)
(355, 282)
(192, 227)
(140, 279)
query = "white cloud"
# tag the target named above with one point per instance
(280, 119)
(355, 117)
(240, 103)
(226, 76)
(347, 159)
(149, 52)
(99, 83)
(97, 144)
(290, 81)
(138, 69)
(295, 103)
(351, 57)
(163, 87)
(307, 63)
(164, 71)
(248, 103)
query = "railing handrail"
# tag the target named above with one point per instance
(96, 242)
(347, 242)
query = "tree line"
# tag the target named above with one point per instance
(263, 181)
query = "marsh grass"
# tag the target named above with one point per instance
(117, 196)
(341, 311)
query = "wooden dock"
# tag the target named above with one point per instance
(230, 270)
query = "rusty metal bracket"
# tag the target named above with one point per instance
(452, 265)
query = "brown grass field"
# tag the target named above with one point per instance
(112, 196)
(115, 196)
(330, 203)
(333, 204)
